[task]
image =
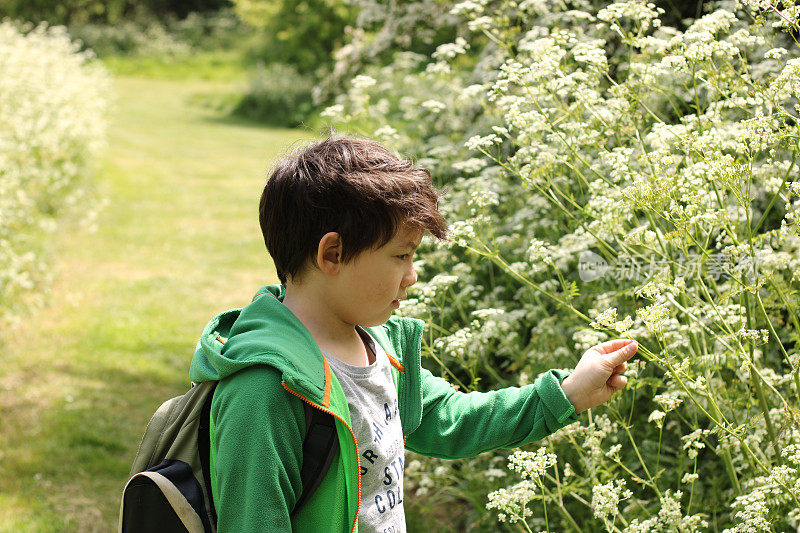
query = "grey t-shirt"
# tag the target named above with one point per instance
(375, 419)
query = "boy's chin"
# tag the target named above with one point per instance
(375, 321)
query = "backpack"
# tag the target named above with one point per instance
(170, 487)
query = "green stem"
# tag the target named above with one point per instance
(756, 383)
(793, 316)
(495, 258)
(653, 483)
(658, 455)
(544, 506)
(567, 516)
(780, 345)
(776, 195)
(726, 458)
(432, 354)
(691, 490)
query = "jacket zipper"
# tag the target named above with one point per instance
(358, 460)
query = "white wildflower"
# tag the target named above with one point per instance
(690, 478)
(480, 23)
(482, 198)
(788, 81)
(441, 282)
(451, 50)
(434, 106)
(472, 92)
(511, 503)
(334, 111)
(755, 336)
(457, 344)
(539, 251)
(387, 133)
(775, 53)
(463, 232)
(613, 452)
(654, 316)
(532, 465)
(712, 23)
(53, 100)
(363, 81)
(792, 453)
(657, 417)
(495, 473)
(586, 338)
(692, 443)
(645, 14)
(477, 142)
(469, 7)
(471, 165)
(623, 325)
(669, 401)
(591, 53)
(487, 313)
(412, 307)
(606, 498)
(605, 319)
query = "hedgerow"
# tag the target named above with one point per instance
(610, 176)
(52, 104)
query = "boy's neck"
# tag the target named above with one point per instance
(331, 334)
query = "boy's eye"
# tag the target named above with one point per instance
(404, 256)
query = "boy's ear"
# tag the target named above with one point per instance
(329, 253)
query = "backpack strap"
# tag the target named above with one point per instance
(204, 451)
(319, 448)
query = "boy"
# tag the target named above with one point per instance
(341, 220)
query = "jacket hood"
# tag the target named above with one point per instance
(264, 332)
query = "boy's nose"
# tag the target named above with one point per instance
(410, 277)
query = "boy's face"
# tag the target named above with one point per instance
(370, 286)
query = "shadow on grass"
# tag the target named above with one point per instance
(71, 455)
(245, 122)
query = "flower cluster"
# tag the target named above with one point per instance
(511, 504)
(606, 498)
(532, 465)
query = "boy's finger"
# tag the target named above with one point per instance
(617, 382)
(611, 346)
(621, 368)
(623, 354)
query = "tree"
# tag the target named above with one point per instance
(303, 33)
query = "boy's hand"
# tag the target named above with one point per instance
(598, 374)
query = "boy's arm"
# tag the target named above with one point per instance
(456, 424)
(259, 441)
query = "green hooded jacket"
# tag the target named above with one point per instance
(270, 363)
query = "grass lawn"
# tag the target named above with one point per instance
(178, 242)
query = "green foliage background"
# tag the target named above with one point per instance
(102, 11)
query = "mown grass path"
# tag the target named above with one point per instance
(178, 242)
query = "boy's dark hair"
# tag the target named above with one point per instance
(355, 187)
